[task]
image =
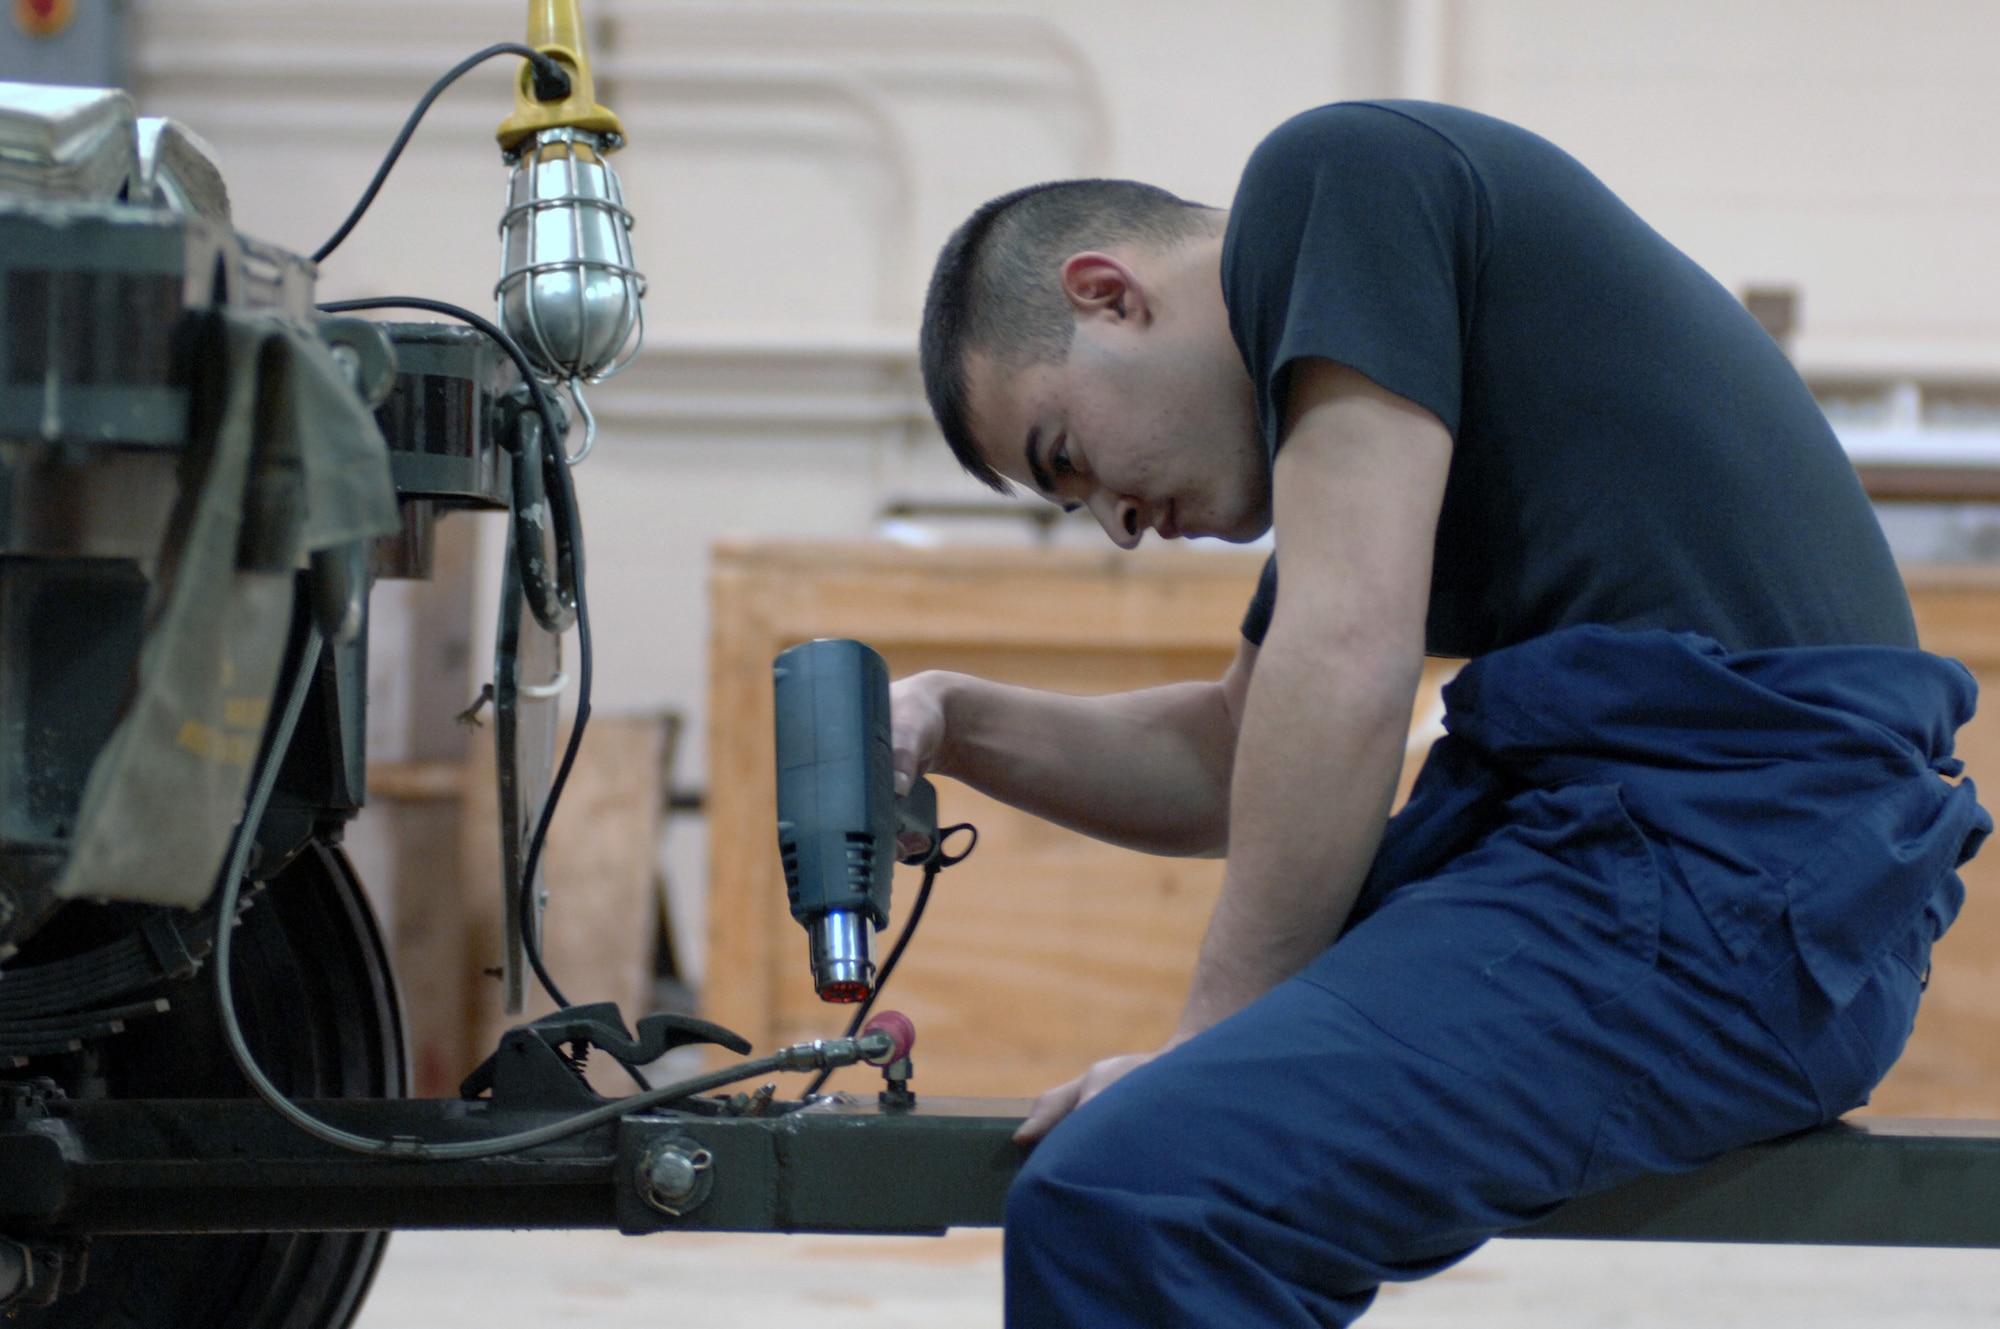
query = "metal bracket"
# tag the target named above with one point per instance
(539, 1066)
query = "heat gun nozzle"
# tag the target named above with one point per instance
(843, 956)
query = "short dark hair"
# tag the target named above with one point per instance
(996, 287)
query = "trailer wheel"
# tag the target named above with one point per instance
(318, 1006)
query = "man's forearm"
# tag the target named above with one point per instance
(1357, 489)
(1149, 769)
(1317, 761)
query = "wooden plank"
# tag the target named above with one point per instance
(1930, 484)
(427, 932)
(601, 921)
(744, 917)
(417, 781)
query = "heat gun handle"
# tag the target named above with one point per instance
(916, 819)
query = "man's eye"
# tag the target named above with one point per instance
(1059, 461)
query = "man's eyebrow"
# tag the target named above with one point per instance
(1043, 481)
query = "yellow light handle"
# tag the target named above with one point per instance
(556, 29)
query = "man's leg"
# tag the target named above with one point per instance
(1549, 1014)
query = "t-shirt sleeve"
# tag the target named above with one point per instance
(1257, 618)
(1355, 237)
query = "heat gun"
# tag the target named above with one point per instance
(838, 812)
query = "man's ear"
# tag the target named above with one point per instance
(1097, 283)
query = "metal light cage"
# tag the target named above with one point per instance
(568, 290)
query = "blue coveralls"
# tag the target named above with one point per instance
(1648, 902)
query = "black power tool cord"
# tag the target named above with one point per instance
(551, 84)
(263, 777)
(562, 497)
(934, 862)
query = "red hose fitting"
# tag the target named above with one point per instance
(899, 1028)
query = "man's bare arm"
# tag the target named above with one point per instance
(1357, 490)
(1358, 487)
(1148, 769)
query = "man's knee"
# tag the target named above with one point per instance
(1093, 1148)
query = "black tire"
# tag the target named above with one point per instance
(318, 1006)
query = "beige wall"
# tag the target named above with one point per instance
(793, 168)
(1844, 146)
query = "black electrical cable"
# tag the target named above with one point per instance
(263, 778)
(563, 499)
(544, 407)
(937, 861)
(551, 82)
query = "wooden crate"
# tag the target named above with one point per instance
(443, 820)
(1043, 951)
(1046, 950)
(601, 877)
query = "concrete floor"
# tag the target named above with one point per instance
(453, 1280)
(487, 1280)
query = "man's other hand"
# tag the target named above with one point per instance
(1064, 1099)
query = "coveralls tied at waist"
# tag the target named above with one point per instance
(1804, 783)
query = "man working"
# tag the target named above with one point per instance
(1666, 887)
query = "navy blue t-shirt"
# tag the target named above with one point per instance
(1630, 447)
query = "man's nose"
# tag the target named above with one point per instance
(1120, 519)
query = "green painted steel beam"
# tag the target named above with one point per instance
(842, 1167)
(853, 1166)
(1879, 1181)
